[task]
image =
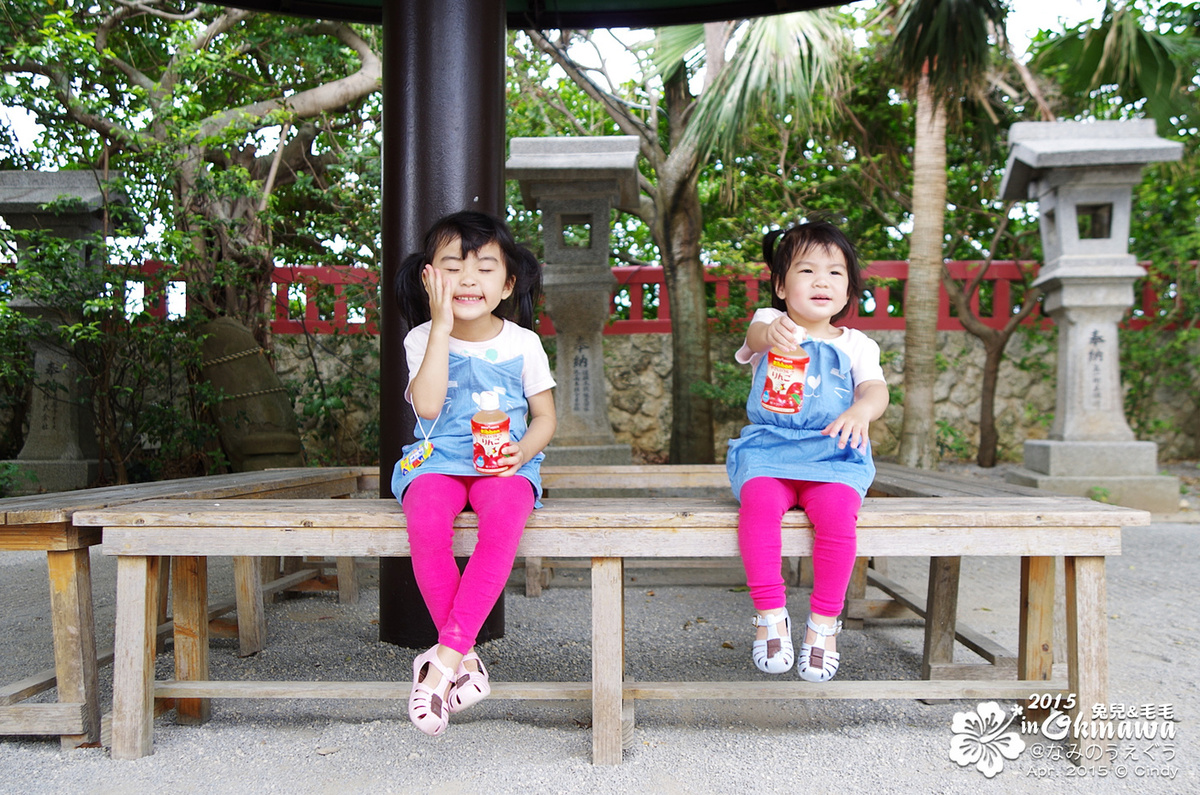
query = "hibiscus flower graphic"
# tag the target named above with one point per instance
(980, 738)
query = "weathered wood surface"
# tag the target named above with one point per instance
(297, 482)
(615, 527)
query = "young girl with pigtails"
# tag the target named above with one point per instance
(816, 389)
(469, 298)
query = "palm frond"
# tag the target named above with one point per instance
(1126, 52)
(676, 47)
(947, 39)
(782, 63)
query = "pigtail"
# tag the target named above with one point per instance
(411, 298)
(473, 230)
(526, 271)
(781, 246)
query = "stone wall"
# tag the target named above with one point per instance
(638, 369)
(638, 366)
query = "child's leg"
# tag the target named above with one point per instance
(764, 502)
(833, 510)
(430, 504)
(503, 506)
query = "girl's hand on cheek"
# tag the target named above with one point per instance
(441, 296)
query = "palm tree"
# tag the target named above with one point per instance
(940, 50)
(783, 58)
(1126, 50)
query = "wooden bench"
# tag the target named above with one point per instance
(608, 530)
(44, 523)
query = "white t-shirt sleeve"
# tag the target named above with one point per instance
(415, 343)
(864, 357)
(764, 315)
(536, 377)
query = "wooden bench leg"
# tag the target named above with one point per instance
(856, 591)
(347, 577)
(252, 621)
(1087, 646)
(533, 576)
(1035, 652)
(133, 662)
(941, 614)
(190, 576)
(75, 639)
(608, 658)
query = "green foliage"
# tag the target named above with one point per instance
(338, 414)
(15, 477)
(952, 443)
(731, 384)
(134, 371)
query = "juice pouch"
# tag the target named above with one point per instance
(489, 431)
(783, 391)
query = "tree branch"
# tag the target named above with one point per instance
(314, 101)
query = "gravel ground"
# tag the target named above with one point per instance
(682, 624)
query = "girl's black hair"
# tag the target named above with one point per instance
(474, 230)
(781, 247)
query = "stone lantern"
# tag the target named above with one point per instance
(1082, 175)
(576, 182)
(60, 449)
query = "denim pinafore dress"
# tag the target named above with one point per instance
(791, 446)
(451, 434)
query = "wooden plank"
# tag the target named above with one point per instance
(1087, 645)
(664, 691)
(1004, 668)
(252, 619)
(347, 581)
(293, 482)
(985, 647)
(190, 577)
(64, 719)
(53, 536)
(543, 539)
(71, 617)
(1015, 513)
(608, 658)
(837, 689)
(388, 691)
(28, 687)
(1035, 654)
(941, 612)
(133, 668)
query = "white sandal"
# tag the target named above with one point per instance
(774, 654)
(816, 663)
(427, 708)
(470, 686)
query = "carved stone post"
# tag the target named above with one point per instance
(576, 182)
(1082, 176)
(60, 449)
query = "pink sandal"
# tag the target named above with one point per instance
(470, 686)
(427, 708)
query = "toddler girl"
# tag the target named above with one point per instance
(816, 455)
(461, 296)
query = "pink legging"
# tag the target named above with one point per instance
(460, 604)
(833, 510)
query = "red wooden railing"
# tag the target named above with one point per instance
(333, 297)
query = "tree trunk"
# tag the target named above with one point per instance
(677, 227)
(917, 438)
(988, 436)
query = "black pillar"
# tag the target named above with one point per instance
(443, 151)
